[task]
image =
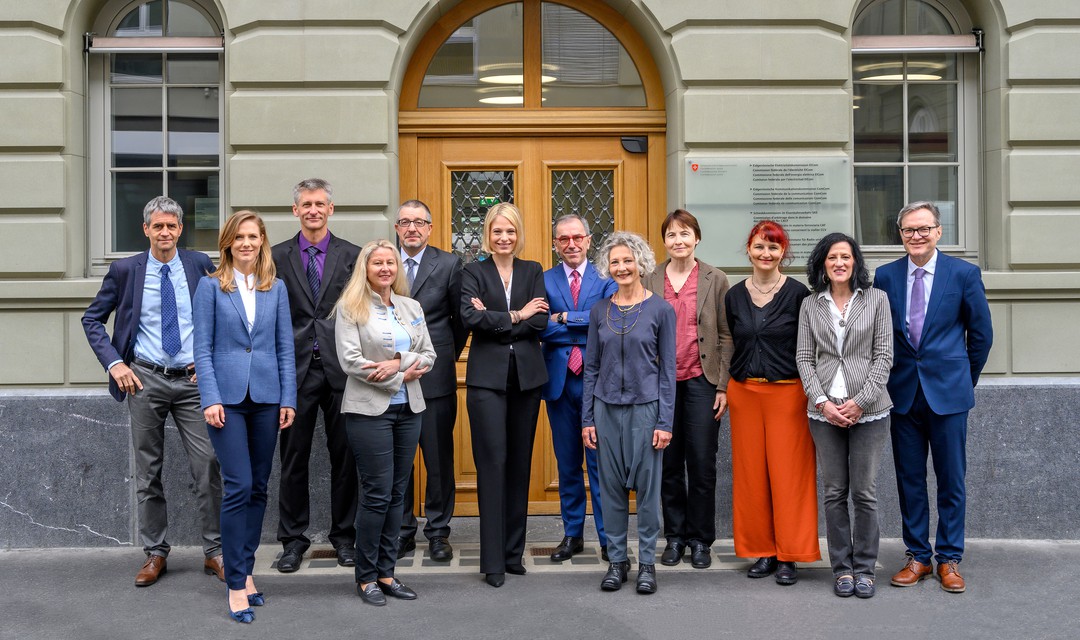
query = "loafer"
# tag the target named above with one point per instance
(495, 579)
(396, 590)
(700, 555)
(786, 573)
(405, 545)
(214, 567)
(646, 578)
(615, 576)
(152, 569)
(763, 568)
(567, 548)
(603, 553)
(845, 586)
(949, 575)
(371, 594)
(673, 553)
(346, 556)
(864, 587)
(290, 560)
(912, 573)
(439, 550)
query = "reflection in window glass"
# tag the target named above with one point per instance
(136, 68)
(185, 20)
(589, 194)
(130, 193)
(901, 18)
(879, 123)
(879, 195)
(584, 64)
(136, 127)
(198, 193)
(932, 122)
(472, 193)
(144, 21)
(939, 185)
(193, 127)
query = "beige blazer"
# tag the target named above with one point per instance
(714, 337)
(868, 349)
(358, 345)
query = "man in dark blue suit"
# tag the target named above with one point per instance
(150, 362)
(942, 334)
(573, 288)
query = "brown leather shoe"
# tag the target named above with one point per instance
(912, 573)
(152, 569)
(214, 567)
(949, 574)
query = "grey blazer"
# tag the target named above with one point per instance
(358, 345)
(867, 355)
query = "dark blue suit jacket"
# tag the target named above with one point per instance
(558, 337)
(230, 362)
(956, 338)
(121, 292)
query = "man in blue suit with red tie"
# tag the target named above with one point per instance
(573, 287)
(942, 334)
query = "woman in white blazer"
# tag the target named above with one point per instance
(384, 347)
(844, 353)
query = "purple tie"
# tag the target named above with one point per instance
(917, 308)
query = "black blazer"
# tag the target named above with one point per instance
(493, 333)
(437, 287)
(311, 318)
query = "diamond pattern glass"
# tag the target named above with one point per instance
(589, 193)
(472, 193)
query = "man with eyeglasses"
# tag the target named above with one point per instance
(434, 278)
(573, 288)
(942, 336)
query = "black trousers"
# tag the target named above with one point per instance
(294, 514)
(688, 490)
(437, 443)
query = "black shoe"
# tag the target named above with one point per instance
(844, 586)
(615, 576)
(646, 578)
(346, 556)
(405, 545)
(673, 553)
(864, 587)
(700, 555)
(290, 560)
(371, 594)
(762, 568)
(396, 590)
(603, 553)
(439, 550)
(786, 573)
(495, 579)
(516, 569)
(567, 548)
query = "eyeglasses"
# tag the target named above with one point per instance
(564, 241)
(419, 224)
(924, 232)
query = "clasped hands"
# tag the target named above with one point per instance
(844, 415)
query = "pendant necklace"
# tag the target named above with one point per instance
(773, 287)
(621, 315)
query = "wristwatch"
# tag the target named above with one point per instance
(562, 317)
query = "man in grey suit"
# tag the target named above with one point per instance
(315, 265)
(435, 282)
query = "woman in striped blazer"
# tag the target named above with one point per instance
(844, 354)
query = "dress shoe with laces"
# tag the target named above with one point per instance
(646, 578)
(844, 586)
(700, 555)
(786, 573)
(405, 545)
(346, 556)
(913, 572)
(371, 594)
(864, 587)
(673, 553)
(949, 575)
(152, 569)
(396, 589)
(495, 579)
(615, 576)
(290, 560)
(214, 567)
(439, 550)
(763, 568)
(567, 548)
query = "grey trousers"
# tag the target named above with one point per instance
(627, 460)
(148, 408)
(848, 460)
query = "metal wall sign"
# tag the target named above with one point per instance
(809, 196)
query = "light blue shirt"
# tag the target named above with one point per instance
(148, 339)
(928, 285)
(402, 344)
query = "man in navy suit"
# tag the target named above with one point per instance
(573, 288)
(942, 334)
(150, 362)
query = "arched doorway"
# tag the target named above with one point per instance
(556, 106)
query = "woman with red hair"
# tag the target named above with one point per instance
(772, 452)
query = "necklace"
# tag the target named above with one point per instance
(622, 314)
(770, 288)
(843, 313)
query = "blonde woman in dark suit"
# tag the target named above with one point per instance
(844, 353)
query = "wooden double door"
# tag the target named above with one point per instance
(604, 179)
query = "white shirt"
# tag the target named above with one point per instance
(246, 286)
(928, 285)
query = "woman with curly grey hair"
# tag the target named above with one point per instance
(628, 408)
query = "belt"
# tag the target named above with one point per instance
(767, 381)
(169, 372)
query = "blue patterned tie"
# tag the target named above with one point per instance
(170, 323)
(917, 307)
(410, 271)
(313, 279)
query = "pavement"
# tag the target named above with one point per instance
(1016, 589)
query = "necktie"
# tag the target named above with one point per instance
(170, 323)
(410, 271)
(574, 362)
(313, 279)
(917, 308)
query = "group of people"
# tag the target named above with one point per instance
(637, 363)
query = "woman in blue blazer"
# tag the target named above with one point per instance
(246, 373)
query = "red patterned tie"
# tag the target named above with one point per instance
(574, 363)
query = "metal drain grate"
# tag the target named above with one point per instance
(324, 554)
(537, 552)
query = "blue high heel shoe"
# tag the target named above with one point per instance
(246, 616)
(256, 599)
